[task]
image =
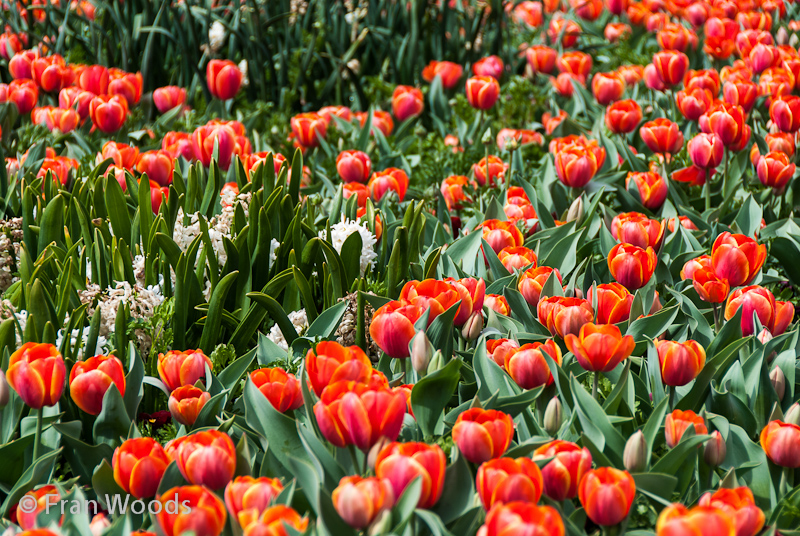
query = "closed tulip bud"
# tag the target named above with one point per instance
(553, 416)
(4, 390)
(359, 501)
(206, 458)
(635, 455)
(190, 509)
(607, 495)
(421, 352)
(793, 414)
(482, 435)
(89, 380)
(23, 93)
(372, 455)
(681, 362)
(715, 450)
(37, 373)
(778, 380)
(354, 166)
(224, 79)
(185, 404)
(677, 519)
(473, 326)
(382, 524)
(177, 369)
(139, 464)
(575, 212)
(482, 92)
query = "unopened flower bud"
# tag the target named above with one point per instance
(512, 143)
(778, 380)
(782, 36)
(437, 362)
(553, 415)
(382, 524)
(715, 450)
(635, 454)
(575, 212)
(4, 390)
(376, 449)
(473, 327)
(764, 336)
(487, 138)
(793, 414)
(421, 352)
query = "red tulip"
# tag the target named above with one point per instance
(185, 404)
(662, 136)
(517, 257)
(453, 191)
(670, 65)
(563, 316)
(204, 139)
(247, 498)
(448, 71)
(607, 495)
(505, 480)
(568, 30)
(779, 440)
(205, 458)
(523, 518)
(600, 348)
(632, 266)
(206, 515)
(726, 121)
(158, 194)
(392, 327)
(77, 99)
(23, 93)
(407, 102)
(177, 369)
(353, 166)
(359, 501)
(739, 504)
(56, 119)
(51, 73)
(607, 87)
(576, 165)
(482, 435)
(108, 113)
(694, 102)
(499, 349)
(775, 170)
(637, 229)
(651, 186)
(501, 234)
(89, 380)
(308, 128)
(482, 92)
(37, 372)
(495, 168)
(678, 422)
(281, 388)
(541, 58)
(275, 521)
(126, 85)
(709, 286)
(224, 79)
(168, 97)
(623, 116)
(773, 315)
(27, 511)
(380, 120)
(527, 365)
(139, 464)
(575, 63)
(488, 66)
(94, 78)
(613, 303)
(565, 471)
(677, 519)
(331, 362)
(159, 166)
(785, 113)
(531, 282)
(681, 362)
(388, 180)
(737, 258)
(179, 144)
(401, 463)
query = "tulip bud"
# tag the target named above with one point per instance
(778, 380)
(473, 327)
(376, 449)
(4, 393)
(764, 336)
(487, 138)
(782, 36)
(421, 352)
(437, 362)
(575, 212)
(635, 455)
(793, 414)
(715, 450)
(553, 416)
(382, 524)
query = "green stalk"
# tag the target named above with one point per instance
(595, 385)
(707, 190)
(37, 439)
(352, 450)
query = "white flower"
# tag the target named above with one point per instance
(273, 251)
(103, 347)
(342, 230)
(243, 68)
(216, 36)
(299, 321)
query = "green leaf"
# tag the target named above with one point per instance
(213, 325)
(430, 396)
(327, 322)
(113, 423)
(459, 491)
(36, 473)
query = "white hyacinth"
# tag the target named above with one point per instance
(216, 36)
(103, 347)
(300, 322)
(342, 230)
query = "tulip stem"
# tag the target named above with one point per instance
(786, 481)
(37, 439)
(595, 385)
(353, 457)
(716, 317)
(707, 190)
(671, 390)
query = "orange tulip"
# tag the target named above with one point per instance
(380, 120)
(726, 121)
(179, 144)
(517, 257)
(575, 63)
(773, 315)
(563, 316)
(37, 372)
(740, 506)
(775, 170)
(607, 87)
(353, 166)
(407, 102)
(779, 441)
(392, 326)
(185, 404)
(673, 36)
(204, 139)
(694, 102)
(565, 471)
(46, 497)
(520, 517)
(778, 141)
(139, 464)
(576, 165)
(600, 348)
(206, 515)
(56, 118)
(168, 97)
(472, 293)
(359, 414)
(157, 195)
(506, 480)
(541, 58)
(681, 362)
(709, 286)
(527, 365)
(224, 79)
(532, 280)
(613, 303)
(388, 180)
(308, 128)
(126, 85)
(482, 435)
(281, 388)
(637, 229)
(677, 519)
(662, 136)
(108, 113)
(247, 498)
(331, 362)
(785, 113)
(499, 349)
(59, 166)
(623, 116)
(670, 65)
(449, 72)
(569, 31)
(206, 458)
(159, 166)
(93, 78)
(177, 369)
(742, 92)
(497, 303)
(274, 522)
(342, 112)
(607, 495)
(89, 380)
(402, 463)
(719, 37)
(501, 234)
(678, 422)
(453, 191)
(122, 155)
(495, 168)
(737, 258)
(651, 186)
(77, 99)
(359, 501)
